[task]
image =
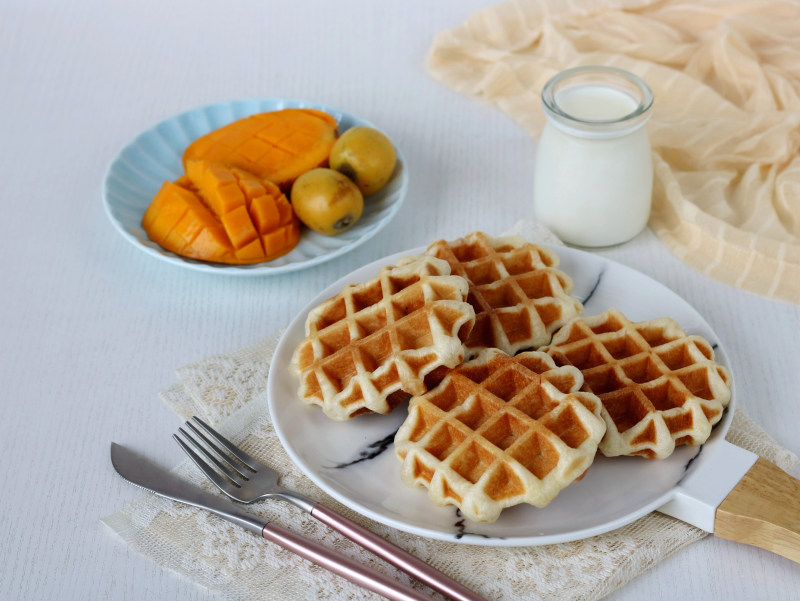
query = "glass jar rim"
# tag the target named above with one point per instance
(612, 77)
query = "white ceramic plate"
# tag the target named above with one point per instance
(355, 463)
(139, 170)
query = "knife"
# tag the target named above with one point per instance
(140, 471)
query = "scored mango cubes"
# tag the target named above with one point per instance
(277, 145)
(222, 214)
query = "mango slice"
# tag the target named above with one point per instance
(278, 146)
(222, 214)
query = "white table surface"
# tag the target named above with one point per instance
(92, 328)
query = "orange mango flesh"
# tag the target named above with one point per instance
(222, 214)
(278, 146)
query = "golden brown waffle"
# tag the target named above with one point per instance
(499, 431)
(659, 386)
(374, 344)
(519, 296)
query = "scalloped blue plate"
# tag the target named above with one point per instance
(139, 170)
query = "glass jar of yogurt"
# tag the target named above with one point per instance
(593, 178)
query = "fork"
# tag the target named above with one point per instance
(245, 479)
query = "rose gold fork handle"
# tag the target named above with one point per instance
(394, 555)
(342, 565)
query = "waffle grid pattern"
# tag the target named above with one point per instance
(519, 296)
(499, 431)
(659, 386)
(370, 347)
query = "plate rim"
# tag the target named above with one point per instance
(257, 269)
(718, 434)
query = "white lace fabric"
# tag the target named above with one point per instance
(229, 392)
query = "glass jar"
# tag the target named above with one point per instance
(593, 178)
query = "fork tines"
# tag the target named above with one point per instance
(235, 465)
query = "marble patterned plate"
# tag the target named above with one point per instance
(355, 463)
(139, 170)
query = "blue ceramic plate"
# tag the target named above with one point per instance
(139, 170)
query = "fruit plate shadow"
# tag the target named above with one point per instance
(155, 155)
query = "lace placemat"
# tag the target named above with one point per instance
(228, 391)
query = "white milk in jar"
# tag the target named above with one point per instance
(594, 174)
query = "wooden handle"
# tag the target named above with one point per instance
(763, 510)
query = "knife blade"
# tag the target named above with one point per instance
(140, 471)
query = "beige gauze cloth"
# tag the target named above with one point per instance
(725, 128)
(229, 392)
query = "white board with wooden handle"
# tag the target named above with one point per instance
(739, 496)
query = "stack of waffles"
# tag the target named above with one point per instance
(513, 393)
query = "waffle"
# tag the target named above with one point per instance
(499, 431)
(373, 345)
(519, 296)
(659, 386)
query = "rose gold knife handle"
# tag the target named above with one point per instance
(394, 555)
(342, 565)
